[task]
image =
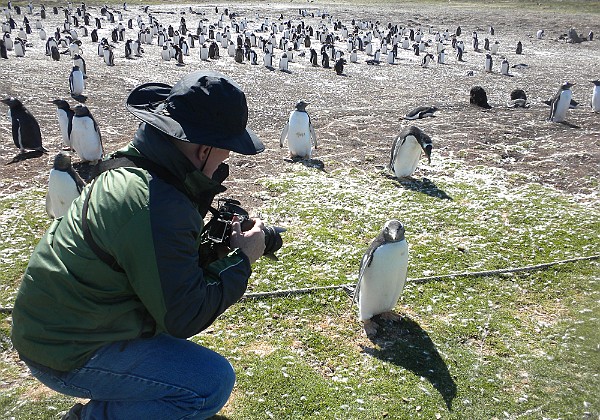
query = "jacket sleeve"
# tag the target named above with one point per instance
(188, 298)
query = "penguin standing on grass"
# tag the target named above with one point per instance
(407, 149)
(64, 186)
(26, 131)
(85, 135)
(65, 119)
(561, 102)
(382, 275)
(299, 132)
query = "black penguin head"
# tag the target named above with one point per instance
(301, 106)
(62, 161)
(393, 231)
(12, 102)
(518, 94)
(61, 103)
(596, 82)
(567, 85)
(81, 110)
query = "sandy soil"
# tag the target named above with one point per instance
(356, 115)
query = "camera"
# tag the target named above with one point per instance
(218, 229)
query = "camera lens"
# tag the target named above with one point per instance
(273, 240)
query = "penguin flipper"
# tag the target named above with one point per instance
(284, 134)
(313, 135)
(16, 126)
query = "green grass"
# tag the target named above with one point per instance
(497, 347)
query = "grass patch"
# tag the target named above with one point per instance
(498, 347)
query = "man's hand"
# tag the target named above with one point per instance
(251, 242)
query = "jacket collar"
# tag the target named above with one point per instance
(154, 145)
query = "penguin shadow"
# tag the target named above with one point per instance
(568, 124)
(406, 344)
(425, 186)
(286, 71)
(309, 163)
(270, 68)
(30, 154)
(79, 98)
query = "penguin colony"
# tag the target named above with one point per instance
(113, 35)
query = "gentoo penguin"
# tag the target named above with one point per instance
(55, 53)
(64, 186)
(518, 99)
(299, 132)
(494, 48)
(65, 118)
(382, 275)
(80, 62)
(427, 58)
(561, 103)
(19, 47)
(478, 97)
(313, 57)
(407, 149)
(504, 67)
(339, 66)
(325, 60)
(596, 96)
(540, 34)
(128, 49)
(3, 52)
(85, 135)
(203, 52)
(283, 62)
(519, 49)
(268, 59)
(488, 63)
(353, 56)
(109, 58)
(421, 112)
(25, 128)
(76, 84)
(460, 47)
(441, 57)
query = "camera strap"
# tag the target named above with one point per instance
(120, 161)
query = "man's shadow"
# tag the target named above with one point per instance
(406, 344)
(425, 186)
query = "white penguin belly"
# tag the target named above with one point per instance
(85, 140)
(77, 83)
(562, 106)
(63, 123)
(61, 193)
(596, 99)
(407, 158)
(299, 135)
(383, 280)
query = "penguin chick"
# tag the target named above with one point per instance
(407, 149)
(382, 275)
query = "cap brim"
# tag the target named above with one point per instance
(146, 102)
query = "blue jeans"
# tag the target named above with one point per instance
(156, 378)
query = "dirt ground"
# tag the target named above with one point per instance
(357, 114)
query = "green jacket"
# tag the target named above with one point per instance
(70, 303)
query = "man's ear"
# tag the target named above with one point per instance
(202, 153)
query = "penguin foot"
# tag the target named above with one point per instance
(370, 327)
(390, 316)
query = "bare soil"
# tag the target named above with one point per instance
(357, 114)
